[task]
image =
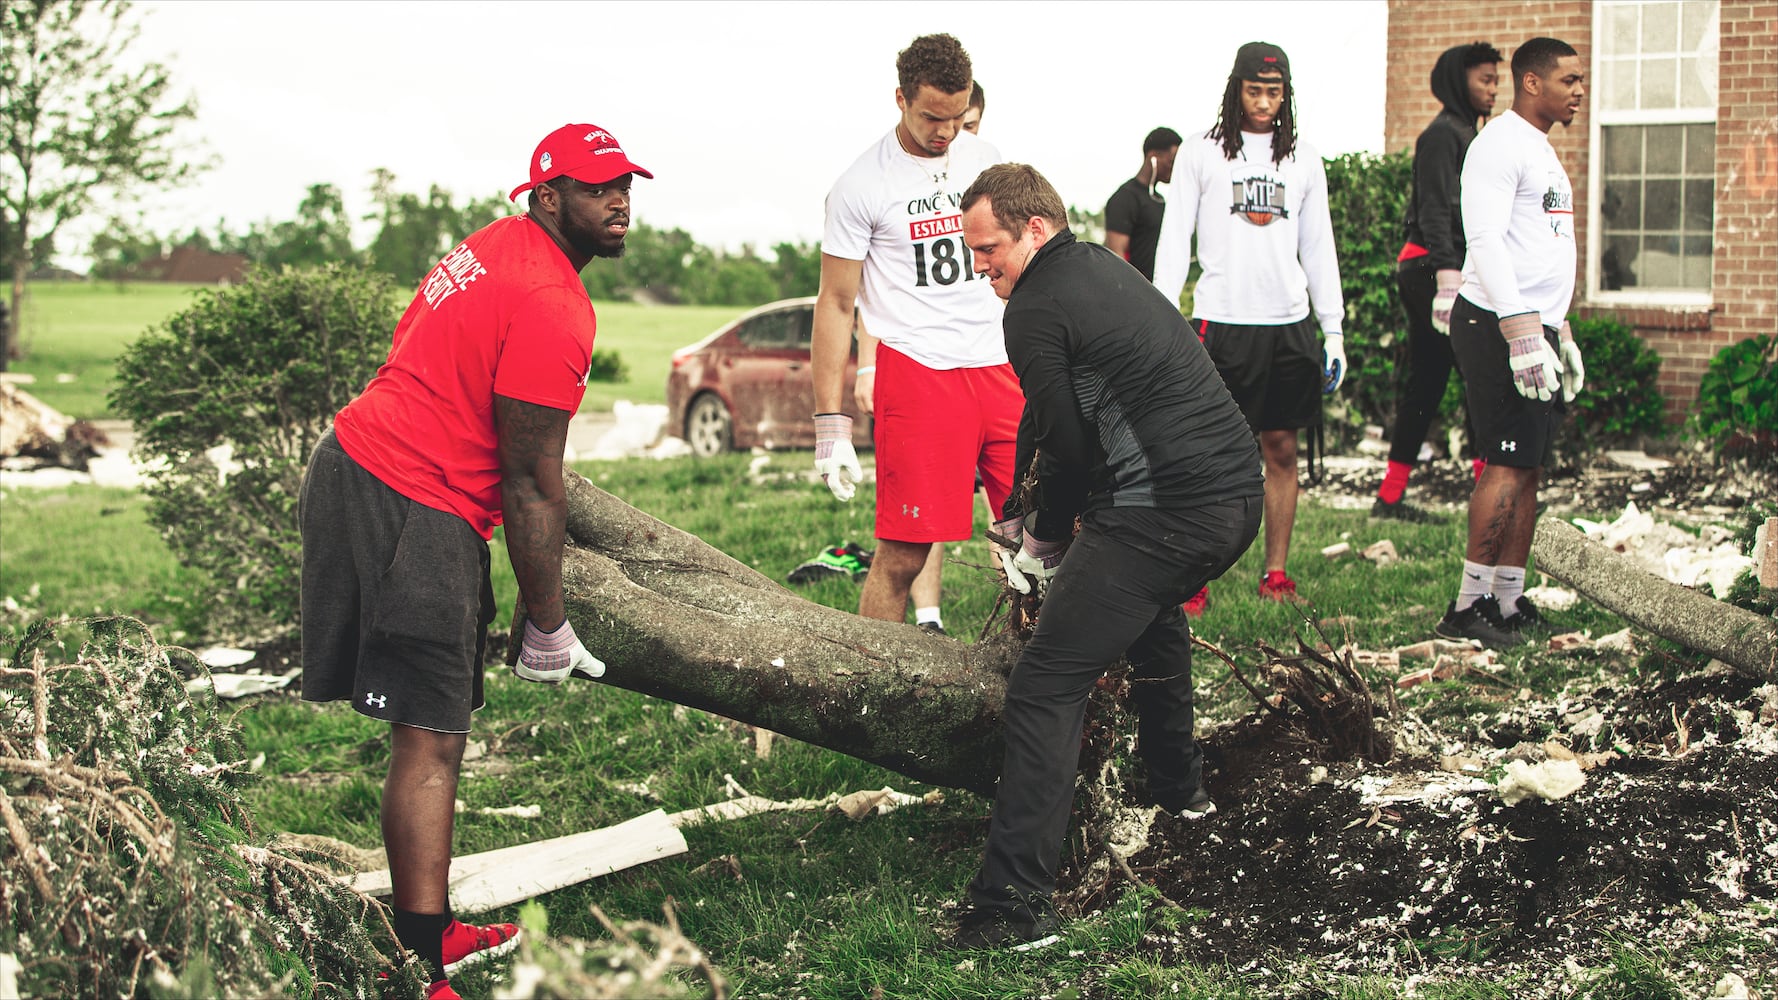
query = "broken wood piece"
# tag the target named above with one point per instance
(1765, 554)
(1432, 649)
(1337, 550)
(1381, 552)
(1567, 641)
(762, 742)
(1736, 636)
(492, 879)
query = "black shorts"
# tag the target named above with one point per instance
(1510, 430)
(396, 599)
(1274, 372)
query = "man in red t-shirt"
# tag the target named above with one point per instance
(462, 429)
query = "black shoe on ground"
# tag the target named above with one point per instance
(1192, 807)
(934, 627)
(1401, 510)
(980, 929)
(1527, 618)
(1480, 621)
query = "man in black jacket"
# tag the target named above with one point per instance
(1133, 432)
(1430, 266)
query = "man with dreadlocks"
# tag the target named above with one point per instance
(1256, 196)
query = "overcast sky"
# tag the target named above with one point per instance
(745, 112)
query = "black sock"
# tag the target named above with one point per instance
(423, 934)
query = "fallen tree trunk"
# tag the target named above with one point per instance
(678, 619)
(1738, 637)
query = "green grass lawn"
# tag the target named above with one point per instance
(73, 332)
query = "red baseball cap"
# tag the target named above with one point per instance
(584, 152)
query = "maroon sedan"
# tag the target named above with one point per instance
(749, 384)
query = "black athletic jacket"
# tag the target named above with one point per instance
(1434, 217)
(1121, 400)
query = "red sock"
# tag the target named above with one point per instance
(1478, 465)
(1395, 482)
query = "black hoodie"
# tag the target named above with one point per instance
(1434, 216)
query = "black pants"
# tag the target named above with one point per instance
(1116, 594)
(1429, 364)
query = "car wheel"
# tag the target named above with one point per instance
(708, 427)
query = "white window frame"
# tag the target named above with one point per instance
(1597, 122)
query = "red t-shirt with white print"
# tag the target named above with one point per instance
(503, 313)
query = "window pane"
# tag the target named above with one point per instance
(1623, 150)
(1659, 85)
(1618, 89)
(1665, 152)
(1660, 210)
(1658, 267)
(1622, 206)
(1620, 29)
(1660, 27)
(1692, 92)
(1616, 263)
(1699, 198)
(1694, 270)
(1692, 19)
(1700, 150)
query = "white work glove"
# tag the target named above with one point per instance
(834, 458)
(1536, 369)
(1574, 374)
(864, 389)
(1444, 299)
(1333, 362)
(1036, 560)
(549, 657)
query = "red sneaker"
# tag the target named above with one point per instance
(467, 944)
(442, 990)
(1276, 586)
(1197, 604)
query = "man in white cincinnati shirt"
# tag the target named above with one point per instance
(1256, 196)
(1509, 336)
(946, 402)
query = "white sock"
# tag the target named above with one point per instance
(1509, 584)
(924, 615)
(1478, 581)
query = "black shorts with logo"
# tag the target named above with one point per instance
(1274, 372)
(1510, 429)
(396, 599)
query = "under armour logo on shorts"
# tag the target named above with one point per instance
(377, 700)
(1509, 446)
(907, 511)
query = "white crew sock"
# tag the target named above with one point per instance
(1477, 583)
(924, 615)
(1509, 584)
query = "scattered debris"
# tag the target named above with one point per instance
(517, 812)
(1381, 552)
(223, 657)
(231, 686)
(1337, 549)
(33, 430)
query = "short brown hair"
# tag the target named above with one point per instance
(936, 60)
(1018, 192)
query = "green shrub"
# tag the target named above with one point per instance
(607, 366)
(1367, 196)
(1738, 400)
(261, 367)
(1619, 404)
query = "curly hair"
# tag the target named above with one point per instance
(1228, 123)
(935, 60)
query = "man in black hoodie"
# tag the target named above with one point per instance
(1133, 431)
(1429, 268)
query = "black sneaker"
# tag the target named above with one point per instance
(1526, 617)
(934, 627)
(980, 929)
(1480, 621)
(1401, 510)
(1196, 806)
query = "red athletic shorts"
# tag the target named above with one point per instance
(934, 431)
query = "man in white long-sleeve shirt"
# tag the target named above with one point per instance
(1509, 335)
(1256, 196)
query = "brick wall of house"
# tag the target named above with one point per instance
(1745, 274)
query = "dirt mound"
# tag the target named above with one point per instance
(1419, 868)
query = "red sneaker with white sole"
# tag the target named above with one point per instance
(1197, 604)
(1275, 586)
(467, 944)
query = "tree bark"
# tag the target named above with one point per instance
(1738, 637)
(677, 619)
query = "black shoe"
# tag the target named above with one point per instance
(980, 929)
(1401, 510)
(1526, 617)
(934, 627)
(1195, 806)
(1480, 621)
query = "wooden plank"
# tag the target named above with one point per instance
(497, 878)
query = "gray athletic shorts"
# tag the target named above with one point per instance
(396, 599)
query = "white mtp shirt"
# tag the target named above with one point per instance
(920, 293)
(1518, 214)
(1265, 239)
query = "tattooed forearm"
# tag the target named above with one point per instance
(535, 506)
